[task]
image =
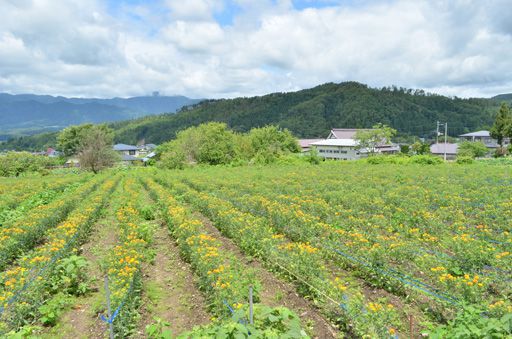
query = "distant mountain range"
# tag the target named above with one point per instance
(26, 114)
(309, 113)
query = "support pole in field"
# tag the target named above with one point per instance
(109, 310)
(411, 326)
(445, 138)
(251, 311)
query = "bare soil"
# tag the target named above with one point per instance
(170, 292)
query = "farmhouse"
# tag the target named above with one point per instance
(341, 144)
(126, 149)
(484, 137)
(439, 149)
(339, 149)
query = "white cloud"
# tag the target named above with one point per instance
(83, 48)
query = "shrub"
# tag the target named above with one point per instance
(425, 160)
(472, 149)
(464, 160)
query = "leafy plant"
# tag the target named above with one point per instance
(158, 330)
(71, 276)
(51, 311)
(472, 322)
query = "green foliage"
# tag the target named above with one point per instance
(16, 163)
(313, 157)
(277, 322)
(70, 138)
(70, 276)
(420, 148)
(402, 160)
(215, 144)
(502, 126)
(405, 149)
(52, 310)
(425, 160)
(148, 212)
(270, 142)
(471, 322)
(472, 149)
(369, 139)
(464, 160)
(95, 148)
(310, 113)
(211, 143)
(158, 330)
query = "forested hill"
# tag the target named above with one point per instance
(312, 113)
(504, 97)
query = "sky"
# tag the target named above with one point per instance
(232, 48)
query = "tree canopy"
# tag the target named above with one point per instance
(95, 148)
(370, 139)
(215, 144)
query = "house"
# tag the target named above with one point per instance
(126, 158)
(344, 133)
(305, 144)
(124, 149)
(439, 150)
(339, 149)
(149, 157)
(146, 148)
(50, 152)
(484, 137)
(341, 144)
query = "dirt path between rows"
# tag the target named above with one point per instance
(170, 291)
(82, 320)
(276, 292)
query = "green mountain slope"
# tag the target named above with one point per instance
(313, 112)
(503, 97)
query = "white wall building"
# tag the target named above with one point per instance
(339, 149)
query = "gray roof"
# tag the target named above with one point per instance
(439, 148)
(477, 134)
(307, 142)
(124, 147)
(345, 133)
(126, 157)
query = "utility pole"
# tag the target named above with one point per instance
(445, 138)
(437, 133)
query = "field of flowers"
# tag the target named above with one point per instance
(378, 251)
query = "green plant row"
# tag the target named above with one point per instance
(123, 261)
(222, 277)
(15, 191)
(299, 262)
(39, 276)
(24, 233)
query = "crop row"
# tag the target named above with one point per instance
(15, 191)
(300, 262)
(405, 252)
(222, 277)
(23, 233)
(34, 278)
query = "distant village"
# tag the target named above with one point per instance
(340, 144)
